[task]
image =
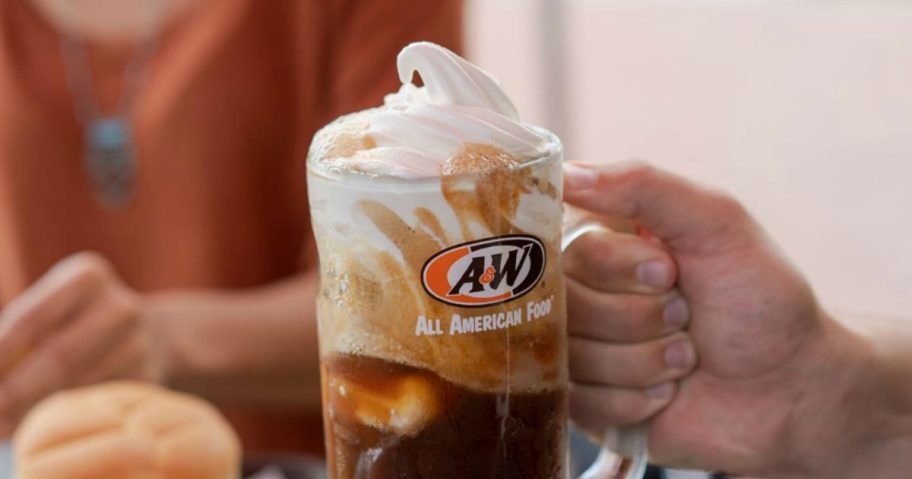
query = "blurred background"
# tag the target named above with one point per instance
(800, 108)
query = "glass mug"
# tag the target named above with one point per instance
(442, 324)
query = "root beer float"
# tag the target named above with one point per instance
(441, 305)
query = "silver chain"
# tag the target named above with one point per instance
(81, 82)
(110, 154)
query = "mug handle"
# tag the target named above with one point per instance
(624, 453)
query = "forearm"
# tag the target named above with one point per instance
(884, 397)
(248, 348)
(855, 418)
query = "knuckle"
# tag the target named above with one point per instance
(638, 171)
(125, 304)
(635, 175)
(728, 206)
(636, 165)
(573, 261)
(89, 266)
(592, 248)
(121, 313)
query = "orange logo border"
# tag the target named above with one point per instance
(455, 252)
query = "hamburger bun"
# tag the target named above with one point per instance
(125, 430)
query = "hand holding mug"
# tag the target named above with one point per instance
(751, 318)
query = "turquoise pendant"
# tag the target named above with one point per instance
(111, 160)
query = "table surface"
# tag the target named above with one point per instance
(6, 460)
(6, 466)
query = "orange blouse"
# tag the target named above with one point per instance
(235, 92)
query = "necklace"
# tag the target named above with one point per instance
(110, 158)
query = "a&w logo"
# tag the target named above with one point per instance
(485, 272)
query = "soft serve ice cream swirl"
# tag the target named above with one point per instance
(375, 233)
(419, 128)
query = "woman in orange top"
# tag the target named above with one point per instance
(168, 137)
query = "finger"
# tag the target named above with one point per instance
(578, 216)
(638, 365)
(71, 352)
(620, 263)
(597, 408)
(98, 330)
(49, 302)
(685, 215)
(126, 361)
(623, 318)
(35, 378)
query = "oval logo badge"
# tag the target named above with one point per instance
(485, 272)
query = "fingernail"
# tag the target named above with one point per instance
(654, 274)
(577, 178)
(679, 355)
(661, 391)
(676, 313)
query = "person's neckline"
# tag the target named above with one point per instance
(93, 30)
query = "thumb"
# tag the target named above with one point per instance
(683, 214)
